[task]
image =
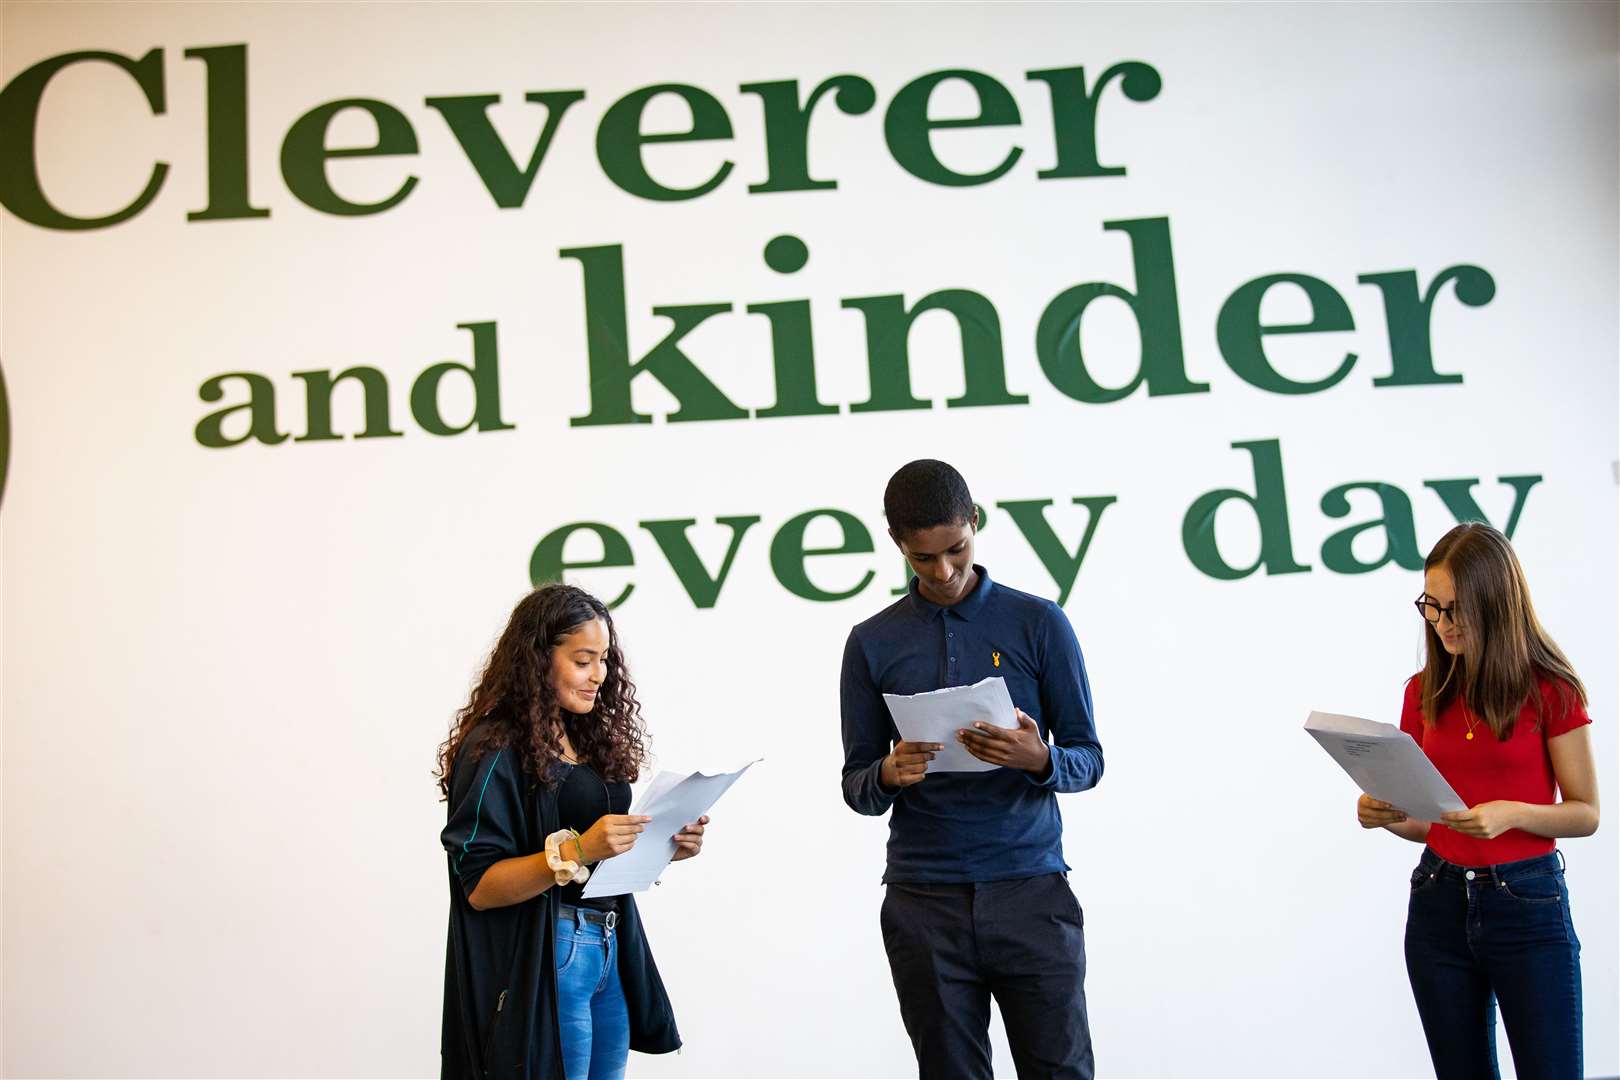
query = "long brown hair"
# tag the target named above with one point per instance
(514, 695)
(1504, 645)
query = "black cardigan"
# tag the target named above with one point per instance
(500, 977)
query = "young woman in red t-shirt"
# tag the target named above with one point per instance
(1501, 713)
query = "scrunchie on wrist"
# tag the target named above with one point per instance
(565, 870)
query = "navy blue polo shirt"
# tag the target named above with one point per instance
(965, 827)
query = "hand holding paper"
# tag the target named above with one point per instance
(936, 717)
(1017, 748)
(1485, 821)
(669, 804)
(613, 834)
(907, 763)
(689, 841)
(1374, 813)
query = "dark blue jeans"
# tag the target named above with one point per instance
(1477, 937)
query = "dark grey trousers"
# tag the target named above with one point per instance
(953, 947)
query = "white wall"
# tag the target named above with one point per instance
(226, 670)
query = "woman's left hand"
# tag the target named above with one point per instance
(689, 841)
(1486, 821)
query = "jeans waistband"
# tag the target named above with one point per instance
(1504, 873)
(583, 916)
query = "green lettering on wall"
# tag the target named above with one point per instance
(227, 135)
(548, 563)
(1158, 320)
(619, 141)
(1074, 114)
(469, 121)
(792, 349)
(908, 129)
(793, 357)
(789, 555)
(1400, 534)
(1410, 348)
(319, 386)
(787, 128)
(486, 386)
(694, 577)
(260, 406)
(607, 342)
(1064, 566)
(5, 437)
(888, 354)
(1242, 335)
(1458, 495)
(20, 189)
(304, 155)
(1270, 505)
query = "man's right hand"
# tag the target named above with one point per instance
(907, 764)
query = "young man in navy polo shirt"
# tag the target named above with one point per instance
(977, 901)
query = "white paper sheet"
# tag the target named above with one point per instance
(936, 716)
(1386, 763)
(672, 800)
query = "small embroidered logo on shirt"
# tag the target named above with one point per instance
(995, 658)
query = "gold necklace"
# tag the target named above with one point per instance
(1471, 722)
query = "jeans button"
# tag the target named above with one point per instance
(1469, 875)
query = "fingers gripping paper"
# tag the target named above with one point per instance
(938, 715)
(672, 800)
(1386, 763)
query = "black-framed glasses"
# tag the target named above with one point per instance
(1432, 611)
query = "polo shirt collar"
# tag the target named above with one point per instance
(968, 607)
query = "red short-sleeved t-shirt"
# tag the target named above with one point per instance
(1484, 768)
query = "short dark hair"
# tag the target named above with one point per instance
(925, 494)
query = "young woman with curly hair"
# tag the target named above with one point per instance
(540, 981)
(1499, 710)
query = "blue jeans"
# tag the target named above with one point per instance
(1482, 936)
(591, 1015)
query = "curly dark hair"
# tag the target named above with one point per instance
(924, 494)
(515, 696)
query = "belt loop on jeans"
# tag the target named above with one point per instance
(1562, 865)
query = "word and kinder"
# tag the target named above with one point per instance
(1240, 334)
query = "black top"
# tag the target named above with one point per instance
(500, 980)
(582, 797)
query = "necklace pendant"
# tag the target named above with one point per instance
(1470, 735)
